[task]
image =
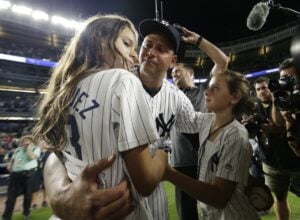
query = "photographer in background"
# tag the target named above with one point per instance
(280, 165)
(289, 115)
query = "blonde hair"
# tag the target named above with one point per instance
(26, 137)
(83, 56)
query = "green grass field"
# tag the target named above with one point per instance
(293, 200)
(45, 213)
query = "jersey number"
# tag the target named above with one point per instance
(75, 135)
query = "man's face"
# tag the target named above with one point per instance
(26, 142)
(263, 92)
(291, 71)
(181, 76)
(156, 55)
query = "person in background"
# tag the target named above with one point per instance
(283, 174)
(185, 149)
(39, 180)
(290, 118)
(23, 166)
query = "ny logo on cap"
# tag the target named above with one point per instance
(164, 22)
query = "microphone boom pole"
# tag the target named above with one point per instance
(286, 10)
(156, 11)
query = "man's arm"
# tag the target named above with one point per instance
(292, 124)
(286, 119)
(276, 115)
(82, 199)
(219, 58)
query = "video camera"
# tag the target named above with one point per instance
(286, 93)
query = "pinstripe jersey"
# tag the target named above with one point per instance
(109, 115)
(228, 157)
(170, 107)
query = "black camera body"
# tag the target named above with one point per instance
(254, 129)
(286, 93)
(253, 126)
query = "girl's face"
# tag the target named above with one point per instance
(217, 95)
(126, 44)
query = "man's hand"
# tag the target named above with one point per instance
(271, 128)
(189, 36)
(82, 199)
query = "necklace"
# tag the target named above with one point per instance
(222, 126)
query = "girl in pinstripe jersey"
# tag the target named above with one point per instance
(95, 108)
(224, 153)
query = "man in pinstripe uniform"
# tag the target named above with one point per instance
(158, 54)
(168, 104)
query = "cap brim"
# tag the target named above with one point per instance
(149, 26)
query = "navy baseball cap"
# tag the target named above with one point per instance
(149, 26)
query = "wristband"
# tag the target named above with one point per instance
(199, 41)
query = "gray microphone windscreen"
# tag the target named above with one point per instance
(295, 51)
(258, 16)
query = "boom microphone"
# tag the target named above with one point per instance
(258, 16)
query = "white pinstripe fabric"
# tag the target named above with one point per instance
(232, 149)
(121, 121)
(167, 102)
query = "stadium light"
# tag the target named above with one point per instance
(4, 5)
(200, 80)
(21, 9)
(21, 89)
(249, 75)
(58, 20)
(27, 60)
(65, 22)
(75, 24)
(40, 15)
(17, 118)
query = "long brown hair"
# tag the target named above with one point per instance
(238, 84)
(84, 55)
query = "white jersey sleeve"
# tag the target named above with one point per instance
(187, 118)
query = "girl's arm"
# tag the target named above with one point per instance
(217, 194)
